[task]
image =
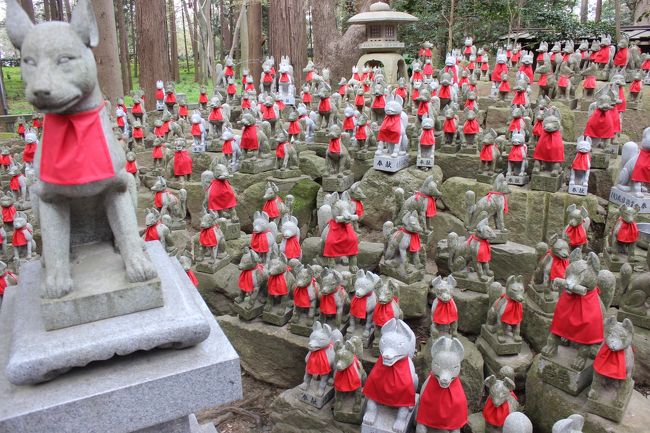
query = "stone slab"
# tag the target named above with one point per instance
(619, 197)
(37, 355)
(246, 313)
(535, 325)
(472, 310)
(558, 372)
(207, 267)
(472, 282)
(346, 413)
(542, 182)
(518, 180)
(287, 173)
(507, 348)
(386, 417)
(536, 294)
(606, 404)
(257, 165)
(107, 397)
(100, 290)
(520, 363)
(424, 162)
(389, 164)
(313, 398)
(337, 183)
(405, 275)
(413, 297)
(486, 178)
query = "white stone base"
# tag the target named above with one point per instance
(577, 189)
(425, 162)
(518, 180)
(390, 164)
(386, 418)
(619, 197)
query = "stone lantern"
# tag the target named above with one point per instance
(381, 46)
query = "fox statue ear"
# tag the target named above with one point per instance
(84, 24)
(18, 23)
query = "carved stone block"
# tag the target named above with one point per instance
(425, 162)
(300, 328)
(609, 403)
(614, 261)
(407, 275)
(313, 397)
(278, 316)
(557, 371)
(619, 197)
(248, 312)
(386, 418)
(468, 149)
(471, 281)
(509, 347)
(447, 148)
(536, 294)
(346, 413)
(577, 189)
(257, 165)
(206, 266)
(518, 180)
(287, 173)
(546, 182)
(600, 159)
(338, 183)
(358, 332)
(486, 178)
(501, 237)
(389, 164)
(637, 319)
(520, 362)
(230, 229)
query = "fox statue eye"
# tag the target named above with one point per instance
(29, 61)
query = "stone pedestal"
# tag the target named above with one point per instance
(486, 178)
(247, 312)
(37, 355)
(536, 324)
(425, 162)
(386, 417)
(500, 237)
(338, 183)
(277, 315)
(447, 148)
(613, 261)
(346, 413)
(545, 182)
(472, 310)
(610, 404)
(599, 159)
(389, 164)
(508, 347)
(557, 371)
(287, 173)
(518, 180)
(231, 230)
(471, 281)
(207, 267)
(405, 274)
(577, 189)
(637, 319)
(257, 165)
(313, 397)
(413, 296)
(468, 149)
(536, 294)
(152, 391)
(619, 197)
(520, 362)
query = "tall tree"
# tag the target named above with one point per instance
(599, 10)
(191, 29)
(134, 45)
(123, 41)
(224, 24)
(255, 39)
(153, 50)
(288, 34)
(173, 42)
(68, 10)
(28, 5)
(203, 18)
(106, 54)
(328, 41)
(584, 11)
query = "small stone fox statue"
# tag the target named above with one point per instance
(552, 263)
(625, 233)
(422, 201)
(252, 278)
(320, 359)
(472, 254)
(363, 302)
(64, 85)
(572, 424)
(506, 311)
(494, 204)
(349, 375)
(444, 313)
(403, 244)
(500, 403)
(305, 294)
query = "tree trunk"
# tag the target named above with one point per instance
(328, 42)
(106, 55)
(235, 33)
(584, 11)
(288, 34)
(153, 51)
(136, 61)
(123, 41)
(450, 32)
(520, 8)
(187, 55)
(28, 5)
(173, 46)
(599, 10)
(46, 10)
(617, 19)
(255, 39)
(68, 10)
(192, 29)
(224, 25)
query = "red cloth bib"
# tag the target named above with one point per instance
(383, 313)
(543, 80)
(268, 112)
(277, 285)
(327, 302)
(341, 240)
(379, 102)
(138, 133)
(391, 386)
(471, 126)
(401, 92)
(215, 114)
(486, 152)
(36, 123)
(499, 68)
(120, 122)
(170, 98)
(443, 408)
(208, 237)
(504, 87)
(505, 200)
(449, 126)
(260, 243)
(635, 86)
(590, 82)
(231, 89)
(516, 124)
(358, 306)
(519, 98)
(348, 380)
(182, 163)
(517, 153)
(271, 208)
(528, 71)
(309, 76)
(582, 161)
(577, 235)
(470, 104)
(641, 172)
(427, 69)
(4, 284)
(348, 123)
(221, 195)
(301, 295)
(514, 312)
(158, 199)
(431, 203)
(628, 232)
(245, 104)
(550, 147)
(484, 249)
(249, 139)
(324, 105)
(292, 248)
(131, 167)
(5, 160)
(538, 128)
(279, 151)
(620, 58)
(226, 149)
(160, 95)
(8, 214)
(646, 65)
(294, 127)
(334, 145)
(136, 108)
(359, 101)
(414, 244)
(445, 312)
(563, 81)
(415, 94)
(579, 318)
(21, 129)
(246, 279)
(358, 207)
(14, 183)
(444, 92)
(600, 125)
(74, 149)
(427, 138)
(317, 362)
(196, 130)
(417, 76)
(342, 89)
(361, 133)
(423, 108)
(192, 277)
(151, 233)
(228, 72)
(159, 131)
(267, 78)
(558, 266)
(496, 415)
(391, 129)
(610, 363)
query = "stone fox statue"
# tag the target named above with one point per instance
(60, 76)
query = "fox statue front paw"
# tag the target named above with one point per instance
(139, 268)
(58, 283)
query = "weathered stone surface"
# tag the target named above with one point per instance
(290, 415)
(642, 356)
(568, 121)
(413, 297)
(312, 165)
(304, 194)
(472, 310)
(496, 117)
(512, 259)
(535, 325)
(546, 404)
(369, 252)
(457, 164)
(443, 224)
(471, 370)
(475, 423)
(235, 247)
(378, 186)
(520, 363)
(195, 197)
(249, 201)
(533, 215)
(240, 181)
(600, 183)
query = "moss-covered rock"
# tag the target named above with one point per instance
(457, 164)
(311, 164)
(249, 201)
(304, 203)
(568, 122)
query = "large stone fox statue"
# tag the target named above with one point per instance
(77, 177)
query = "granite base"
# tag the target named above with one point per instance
(386, 418)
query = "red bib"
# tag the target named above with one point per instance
(423, 108)
(486, 153)
(156, 152)
(271, 208)
(324, 105)
(221, 195)
(505, 200)
(577, 235)
(470, 103)
(131, 167)
(499, 69)
(301, 295)
(341, 240)
(635, 87)
(427, 138)
(543, 80)
(120, 122)
(342, 89)
(8, 214)
(445, 312)
(496, 415)
(379, 102)
(414, 244)
(3, 283)
(14, 183)
(358, 306)
(517, 124)
(401, 92)
(348, 123)
(582, 161)
(215, 115)
(151, 233)
(74, 149)
(443, 408)
(517, 153)
(610, 363)
(600, 125)
(628, 232)
(641, 172)
(136, 108)
(358, 210)
(563, 81)
(504, 87)
(159, 131)
(245, 283)
(528, 71)
(19, 239)
(444, 92)
(538, 128)
(182, 163)
(249, 139)
(277, 285)
(138, 133)
(519, 98)
(484, 249)
(391, 129)
(449, 126)
(550, 147)
(245, 104)
(268, 112)
(427, 69)
(21, 129)
(431, 203)
(359, 101)
(208, 237)
(317, 362)
(228, 72)
(192, 277)
(471, 126)
(514, 312)
(196, 130)
(160, 95)
(294, 127)
(226, 149)
(361, 133)
(590, 82)
(334, 146)
(170, 98)
(579, 318)
(383, 313)
(348, 380)
(558, 266)
(620, 59)
(267, 78)
(183, 111)
(292, 248)
(327, 302)
(391, 386)
(260, 243)
(231, 89)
